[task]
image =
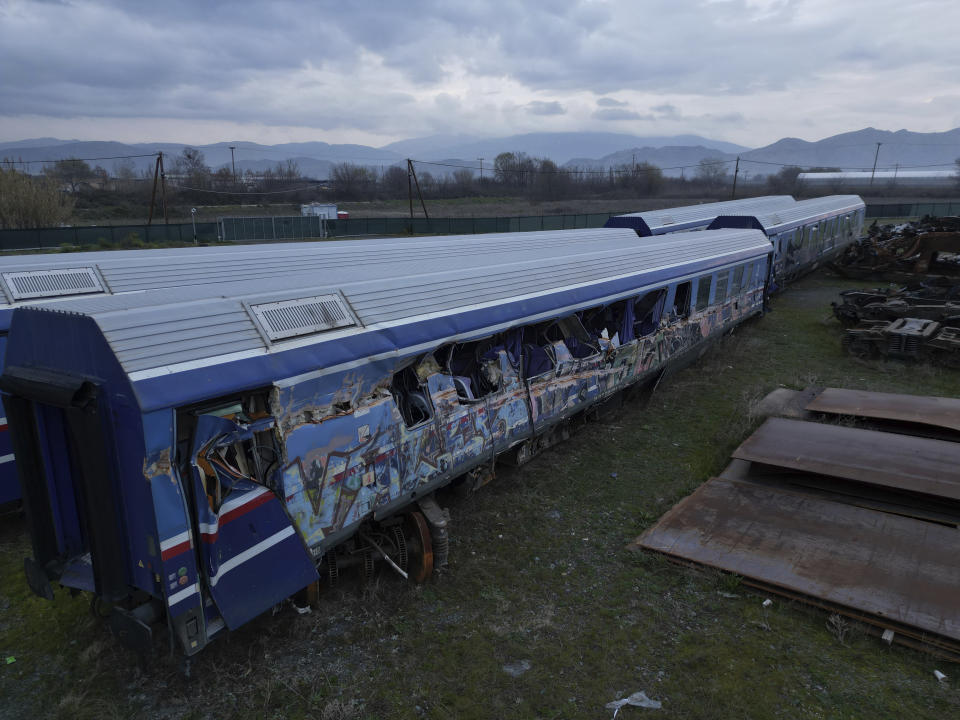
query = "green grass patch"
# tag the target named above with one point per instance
(539, 573)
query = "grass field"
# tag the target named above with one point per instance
(540, 583)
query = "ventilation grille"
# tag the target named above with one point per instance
(52, 283)
(304, 316)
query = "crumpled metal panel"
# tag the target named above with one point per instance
(925, 410)
(913, 464)
(896, 569)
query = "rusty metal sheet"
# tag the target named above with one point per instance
(922, 409)
(904, 462)
(899, 570)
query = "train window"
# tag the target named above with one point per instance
(703, 292)
(721, 293)
(411, 400)
(681, 300)
(737, 282)
(648, 310)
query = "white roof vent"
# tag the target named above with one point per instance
(52, 283)
(303, 316)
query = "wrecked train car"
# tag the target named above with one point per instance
(202, 453)
(695, 217)
(804, 236)
(44, 279)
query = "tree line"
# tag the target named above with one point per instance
(73, 189)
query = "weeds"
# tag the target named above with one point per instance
(558, 589)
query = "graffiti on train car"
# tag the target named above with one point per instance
(356, 441)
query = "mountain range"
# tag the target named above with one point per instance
(677, 154)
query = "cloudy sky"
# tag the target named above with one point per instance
(747, 71)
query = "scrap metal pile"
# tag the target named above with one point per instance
(930, 246)
(919, 321)
(862, 520)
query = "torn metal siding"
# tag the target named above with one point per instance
(348, 453)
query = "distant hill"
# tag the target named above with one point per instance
(673, 158)
(856, 150)
(559, 147)
(582, 149)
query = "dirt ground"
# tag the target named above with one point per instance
(543, 612)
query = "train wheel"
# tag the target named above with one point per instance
(419, 547)
(400, 541)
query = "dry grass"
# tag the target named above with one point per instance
(539, 572)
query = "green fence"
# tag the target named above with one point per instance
(902, 210)
(265, 229)
(106, 236)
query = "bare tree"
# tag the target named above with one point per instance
(71, 173)
(463, 181)
(191, 165)
(712, 172)
(393, 182)
(785, 180)
(352, 182)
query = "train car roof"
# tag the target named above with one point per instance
(688, 217)
(801, 213)
(184, 344)
(29, 279)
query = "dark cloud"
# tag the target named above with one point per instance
(425, 65)
(618, 114)
(538, 107)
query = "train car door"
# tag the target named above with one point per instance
(250, 552)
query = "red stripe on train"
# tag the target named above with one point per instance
(235, 513)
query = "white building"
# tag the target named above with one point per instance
(882, 178)
(327, 211)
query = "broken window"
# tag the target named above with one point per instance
(410, 398)
(703, 291)
(606, 325)
(681, 300)
(737, 282)
(648, 310)
(721, 293)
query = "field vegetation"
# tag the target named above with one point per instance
(543, 612)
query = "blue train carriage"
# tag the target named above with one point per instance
(804, 236)
(199, 456)
(32, 279)
(695, 217)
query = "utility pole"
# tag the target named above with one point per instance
(733, 195)
(233, 163)
(481, 169)
(876, 155)
(163, 189)
(410, 191)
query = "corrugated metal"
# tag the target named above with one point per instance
(691, 216)
(799, 213)
(426, 276)
(139, 270)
